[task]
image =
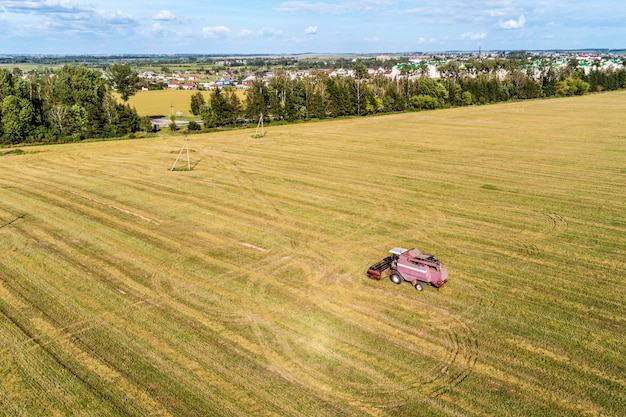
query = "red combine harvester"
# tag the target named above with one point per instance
(412, 266)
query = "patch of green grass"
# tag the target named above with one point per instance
(12, 152)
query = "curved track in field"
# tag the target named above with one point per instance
(238, 288)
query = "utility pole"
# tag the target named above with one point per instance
(185, 147)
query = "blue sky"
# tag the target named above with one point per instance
(321, 26)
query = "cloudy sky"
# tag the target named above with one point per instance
(284, 27)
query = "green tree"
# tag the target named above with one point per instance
(521, 86)
(275, 101)
(548, 82)
(31, 84)
(450, 70)
(296, 95)
(571, 86)
(129, 120)
(124, 80)
(220, 108)
(209, 120)
(466, 98)
(277, 94)
(197, 101)
(58, 117)
(173, 126)
(432, 88)
(455, 93)
(233, 104)
(360, 72)
(256, 100)
(315, 94)
(578, 86)
(109, 107)
(341, 96)
(74, 84)
(374, 104)
(393, 99)
(192, 126)
(6, 83)
(79, 121)
(424, 102)
(145, 124)
(17, 119)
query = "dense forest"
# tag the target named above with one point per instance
(76, 102)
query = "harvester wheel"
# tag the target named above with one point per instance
(396, 278)
(419, 286)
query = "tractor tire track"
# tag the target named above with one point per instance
(454, 367)
(464, 348)
(528, 248)
(91, 381)
(289, 357)
(301, 367)
(115, 285)
(557, 224)
(246, 183)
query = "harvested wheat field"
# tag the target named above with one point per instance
(238, 288)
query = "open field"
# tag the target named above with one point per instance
(238, 288)
(162, 102)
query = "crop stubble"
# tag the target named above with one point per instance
(238, 288)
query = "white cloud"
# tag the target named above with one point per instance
(48, 6)
(422, 40)
(267, 33)
(123, 25)
(474, 12)
(513, 24)
(117, 16)
(270, 33)
(344, 6)
(164, 15)
(474, 36)
(214, 31)
(496, 13)
(245, 33)
(63, 17)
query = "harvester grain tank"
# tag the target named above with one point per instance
(411, 266)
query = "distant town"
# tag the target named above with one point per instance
(413, 67)
(206, 72)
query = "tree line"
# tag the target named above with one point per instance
(71, 104)
(320, 96)
(76, 102)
